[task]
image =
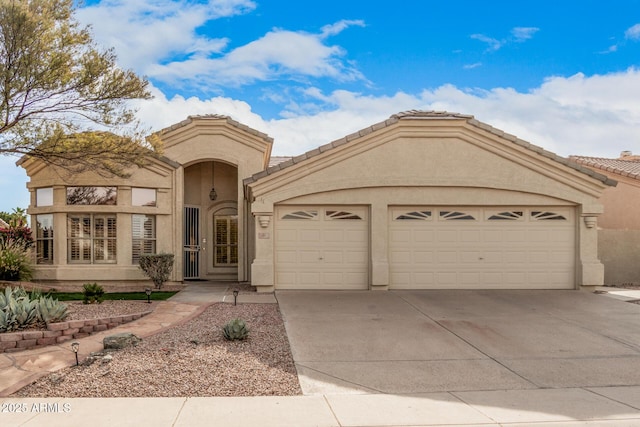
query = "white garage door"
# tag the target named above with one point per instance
(481, 248)
(321, 247)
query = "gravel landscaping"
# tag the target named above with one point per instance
(193, 359)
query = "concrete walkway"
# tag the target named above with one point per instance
(556, 406)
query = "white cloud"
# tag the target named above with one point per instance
(472, 66)
(521, 34)
(586, 115)
(144, 32)
(338, 27)
(159, 39)
(494, 44)
(633, 33)
(518, 35)
(278, 54)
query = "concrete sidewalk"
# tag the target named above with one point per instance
(614, 406)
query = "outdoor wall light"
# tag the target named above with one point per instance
(235, 296)
(212, 194)
(75, 346)
(148, 292)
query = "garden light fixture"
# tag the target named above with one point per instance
(235, 296)
(148, 292)
(75, 346)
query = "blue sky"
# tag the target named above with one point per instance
(564, 75)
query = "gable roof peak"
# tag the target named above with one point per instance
(431, 114)
(228, 119)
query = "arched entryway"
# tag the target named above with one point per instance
(211, 226)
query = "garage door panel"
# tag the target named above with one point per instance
(469, 236)
(308, 257)
(491, 248)
(422, 236)
(450, 257)
(308, 236)
(287, 236)
(420, 257)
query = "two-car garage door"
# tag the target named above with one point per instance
(481, 248)
(320, 247)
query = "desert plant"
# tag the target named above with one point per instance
(17, 311)
(50, 310)
(15, 263)
(157, 267)
(235, 329)
(92, 293)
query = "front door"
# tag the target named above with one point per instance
(191, 243)
(226, 240)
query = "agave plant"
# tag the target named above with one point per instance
(18, 311)
(235, 329)
(51, 310)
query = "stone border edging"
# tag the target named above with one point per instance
(57, 333)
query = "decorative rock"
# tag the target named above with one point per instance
(120, 341)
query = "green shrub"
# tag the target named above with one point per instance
(15, 263)
(92, 293)
(235, 329)
(157, 267)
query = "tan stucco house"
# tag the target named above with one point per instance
(423, 200)
(619, 225)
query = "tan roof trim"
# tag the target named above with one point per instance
(228, 119)
(429, 115)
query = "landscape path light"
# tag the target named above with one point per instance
(75, 346)
(235, 296)
(148, 292)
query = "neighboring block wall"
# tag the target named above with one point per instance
(619, 251)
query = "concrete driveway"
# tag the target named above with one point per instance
(401, 342)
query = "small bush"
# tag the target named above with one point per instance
(235, 329)
(157, 267)
(15, 263)
(92, 293)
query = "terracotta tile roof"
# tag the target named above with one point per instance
(428, 115)
(629, 168)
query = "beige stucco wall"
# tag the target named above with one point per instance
(159, 175)
(619, 231)
(619, 251)
(622, 204)
(432, 163)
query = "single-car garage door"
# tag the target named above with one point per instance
(321, 247)
(481, 248)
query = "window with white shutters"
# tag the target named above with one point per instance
(143, 236)
(91, 238)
